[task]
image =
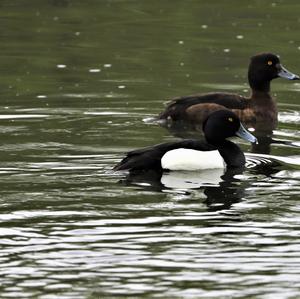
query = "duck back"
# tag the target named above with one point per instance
(149, 158)
(181, 108)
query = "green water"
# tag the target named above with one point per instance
(77, 80)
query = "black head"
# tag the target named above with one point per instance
(265, 67)
(223, 124)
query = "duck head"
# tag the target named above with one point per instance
(265, 67)
(223, 124)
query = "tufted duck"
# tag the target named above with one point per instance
(258, 111)
(215, 152)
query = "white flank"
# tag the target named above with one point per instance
(189, 159)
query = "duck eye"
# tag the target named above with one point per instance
(270, 62)
(230, 119)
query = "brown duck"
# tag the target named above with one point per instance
(258, 111)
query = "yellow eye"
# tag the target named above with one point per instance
(230, 119)
(270, 62)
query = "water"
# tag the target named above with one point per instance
(77, 80)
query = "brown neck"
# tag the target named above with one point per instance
(261, 98)
(258, 81)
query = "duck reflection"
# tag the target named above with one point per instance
(220, 187)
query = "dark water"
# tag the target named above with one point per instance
(77, 80)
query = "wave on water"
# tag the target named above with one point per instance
(254, 160)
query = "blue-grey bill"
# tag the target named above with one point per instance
(284, 73)
(244, 134)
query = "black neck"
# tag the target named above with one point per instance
(232, 154)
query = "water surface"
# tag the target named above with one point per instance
(77, 80)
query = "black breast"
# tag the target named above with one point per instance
(232, 154)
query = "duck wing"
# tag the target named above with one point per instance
(149, 158)
(177, 108)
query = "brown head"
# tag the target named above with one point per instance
(265, 67)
